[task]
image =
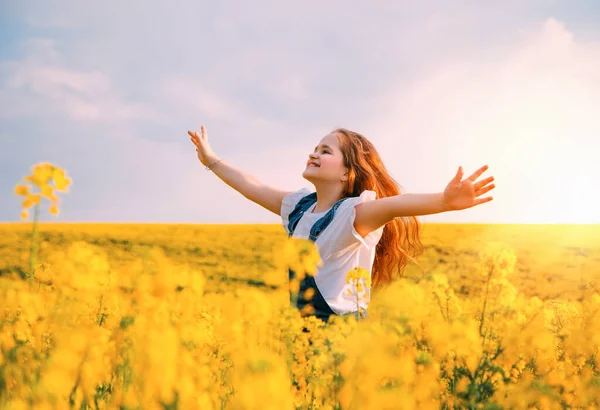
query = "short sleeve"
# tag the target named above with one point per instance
(347, 232)
(289, 203)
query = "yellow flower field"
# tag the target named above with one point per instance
(119, 316)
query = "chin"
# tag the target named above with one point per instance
(308, 175)
(311, 178)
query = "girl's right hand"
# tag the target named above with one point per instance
(205, 153)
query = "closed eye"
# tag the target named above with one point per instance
(326, 148)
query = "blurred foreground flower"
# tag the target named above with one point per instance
(43, 176)
(359, 281)
(301, 257)
(48, 179)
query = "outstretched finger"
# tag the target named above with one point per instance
(477, 173)
(193, 136)
(484, 189)
(459, 175)
(483, 200)
(483, 183)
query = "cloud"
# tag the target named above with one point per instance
(530, 111)
(40, 80)
(193, 96)
(82, 122)
(111, 90)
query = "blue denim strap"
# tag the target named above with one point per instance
(318, 302)
(319, 226)
(324, 222)
(301, 207)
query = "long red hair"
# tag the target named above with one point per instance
(400, 241)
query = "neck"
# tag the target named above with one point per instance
(327, 196)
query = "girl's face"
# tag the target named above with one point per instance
(326, 163)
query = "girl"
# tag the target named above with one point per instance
(357, 217)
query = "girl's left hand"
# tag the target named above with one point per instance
(464, 194)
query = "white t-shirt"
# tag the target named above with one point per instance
(340, 247)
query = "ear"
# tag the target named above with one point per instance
(345, 176)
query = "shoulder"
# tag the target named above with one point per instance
(346, 233)
(366, 195)
(292, 198)
(289, 202)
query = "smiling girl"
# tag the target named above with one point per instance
(356, 216)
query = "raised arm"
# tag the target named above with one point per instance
(268, 197)
(457, 195)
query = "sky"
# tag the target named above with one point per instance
(108, 90)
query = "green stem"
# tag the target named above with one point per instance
(357, 307)
(487, 291)
(33, 248)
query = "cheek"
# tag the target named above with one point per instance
(331, 163)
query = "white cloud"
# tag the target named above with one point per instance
(432, 87)
(193, 96)
(81, 120)
(80, 95)
(530, 111)
(40, 85)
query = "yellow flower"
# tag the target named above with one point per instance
(309, 293)
(41, 174)
(308, 309)
(356, 273)
(22, 190)
(48, 192)
(294, 286)
(35, 198)
(27, 203)
(302, 256)
(62, 183)
(41, 177)
(31, 200)
(462, 385)
(58, 173)
(60, 180)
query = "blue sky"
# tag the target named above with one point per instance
(108, 90)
